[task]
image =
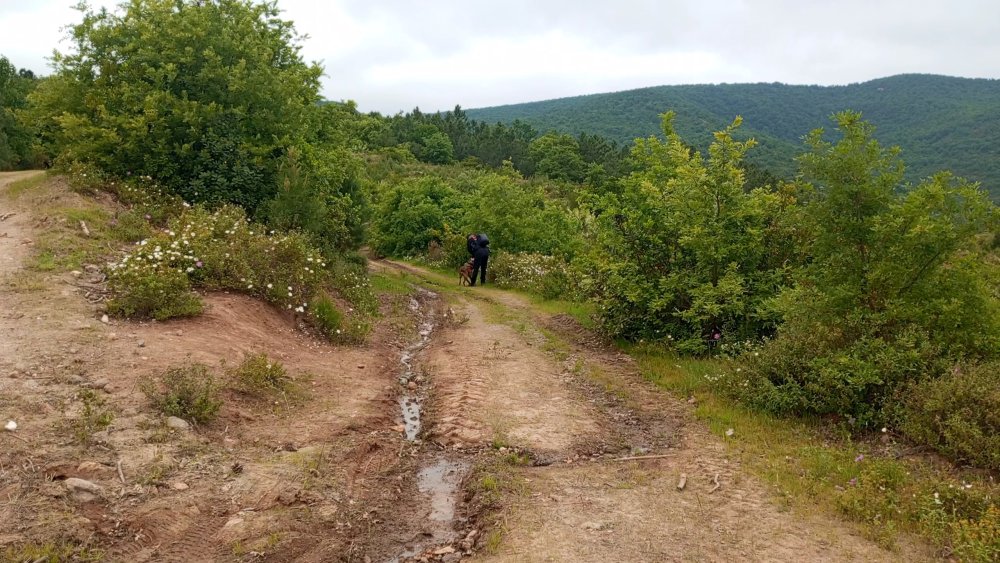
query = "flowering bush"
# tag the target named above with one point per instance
(547, 276)
(222, 250)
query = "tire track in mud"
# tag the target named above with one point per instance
(582, 412)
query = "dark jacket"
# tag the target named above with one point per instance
(472, 245)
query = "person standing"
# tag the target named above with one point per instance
(480, 257)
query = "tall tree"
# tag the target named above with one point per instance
(204, 95)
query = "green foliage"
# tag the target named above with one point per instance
(153, 293)
(684, 248)
(50, 552)
(222, 250)
(326, 316)
(189, 392)
(893, 292)
(16, 137)
(412, 214)
(978, 539)
(199, 95)
(938, 119)
(558, 157)
(259, 375)
(957, 414)
(545, 275)
(93, 417)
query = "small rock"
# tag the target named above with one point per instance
(730, 432)
(682, 482)
(419, 379)
(591, 526)
(180, 333)
(444, 550)
(74, 350)
(399, 428)
(91, 467)
(142, 343)
(10, 426)
(177, 423)
(91, 268)
(97, 384)
(361, 366)
(692, 401)
(81, 489)
(112, 336)
(76, 273)
(411, 385)
(105, 319)
(179, 486)
(74, 379)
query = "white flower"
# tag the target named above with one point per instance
(299, 310)
(269, 286)
(189, 270)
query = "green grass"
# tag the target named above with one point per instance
(16, 189)
(393, 283)
(809, 462)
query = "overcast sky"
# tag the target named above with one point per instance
(391, 56)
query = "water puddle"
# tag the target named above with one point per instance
(413, 396)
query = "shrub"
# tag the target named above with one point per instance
(222, 250)
(978, 540)
(326, 316)
(957, 414)
(188, 392)
(258, 374)
(548, 276)
(152, 293)
(93, 417)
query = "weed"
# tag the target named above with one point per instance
(188, 392)
(259, 375)
(50, 553)
(93, 417)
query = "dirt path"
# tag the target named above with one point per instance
(506, 375)
(512, 414)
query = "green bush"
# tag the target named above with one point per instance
(148, 293)
(222, 250)
(957, 414)
(327, 317)
(978, 539)
(548, 276)
(93, 417)
(258, 374)
(189, 392)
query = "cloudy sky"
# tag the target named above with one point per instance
(390, 56)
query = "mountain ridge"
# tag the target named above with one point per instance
(940, 122)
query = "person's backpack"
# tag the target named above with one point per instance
(482, 239)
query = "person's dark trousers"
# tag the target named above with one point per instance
(479, 265)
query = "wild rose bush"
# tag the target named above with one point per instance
(222, 250)
(548, 276)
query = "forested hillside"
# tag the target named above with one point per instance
(940, 122)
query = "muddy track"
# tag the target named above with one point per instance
(470, 426)
(604, 450)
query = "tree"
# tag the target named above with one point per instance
(681, 248)
(557, 156)
(894, 291)
(203, 95)
(16, 138)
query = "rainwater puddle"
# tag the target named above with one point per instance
(412, 397)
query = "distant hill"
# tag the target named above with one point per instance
(940, 122)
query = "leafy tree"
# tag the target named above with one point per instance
(681, 249)
(16, 139)
(412, 214)
(558, 157)
(894, 290)
(204, 95)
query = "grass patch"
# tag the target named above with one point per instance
(261, 376)
(18, 188)
(189, 392)
(51, 552)
(495, 483)
(393, 283)
(94, 417)
(811, 462)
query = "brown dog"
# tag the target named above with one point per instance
(465, 273)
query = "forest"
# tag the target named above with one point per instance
(852, 278)
(941, 122)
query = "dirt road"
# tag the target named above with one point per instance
(471, 425)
